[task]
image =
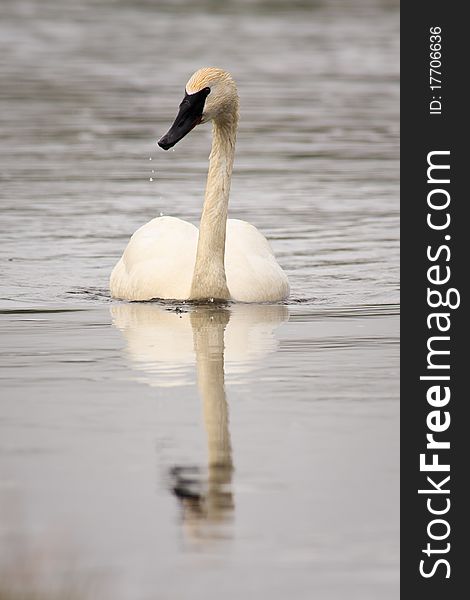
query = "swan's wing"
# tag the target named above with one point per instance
(253, 274)
(158, 262)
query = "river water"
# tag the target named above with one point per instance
(152, 451)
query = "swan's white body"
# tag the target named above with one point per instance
(169, 258)
(160, 258)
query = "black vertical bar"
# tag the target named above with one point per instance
(424, 131)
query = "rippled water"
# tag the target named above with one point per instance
(165, 451)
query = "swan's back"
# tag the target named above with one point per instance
(160, 257)
(253, 274)
(158, 262)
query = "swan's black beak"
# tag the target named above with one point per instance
(189, 115)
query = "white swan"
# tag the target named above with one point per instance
(226, 259)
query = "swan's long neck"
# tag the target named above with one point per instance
(209, 279)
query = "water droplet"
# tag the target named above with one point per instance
(162, 214)
(150, 178)
(153, 171)
(150, 158)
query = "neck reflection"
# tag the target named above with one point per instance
(210, 501)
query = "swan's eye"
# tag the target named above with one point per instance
(207, 90)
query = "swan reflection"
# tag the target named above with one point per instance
(164, 344)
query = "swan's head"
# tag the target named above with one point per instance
(210, 94)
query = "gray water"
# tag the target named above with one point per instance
(152, 451)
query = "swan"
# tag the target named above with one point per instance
(227, 259)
